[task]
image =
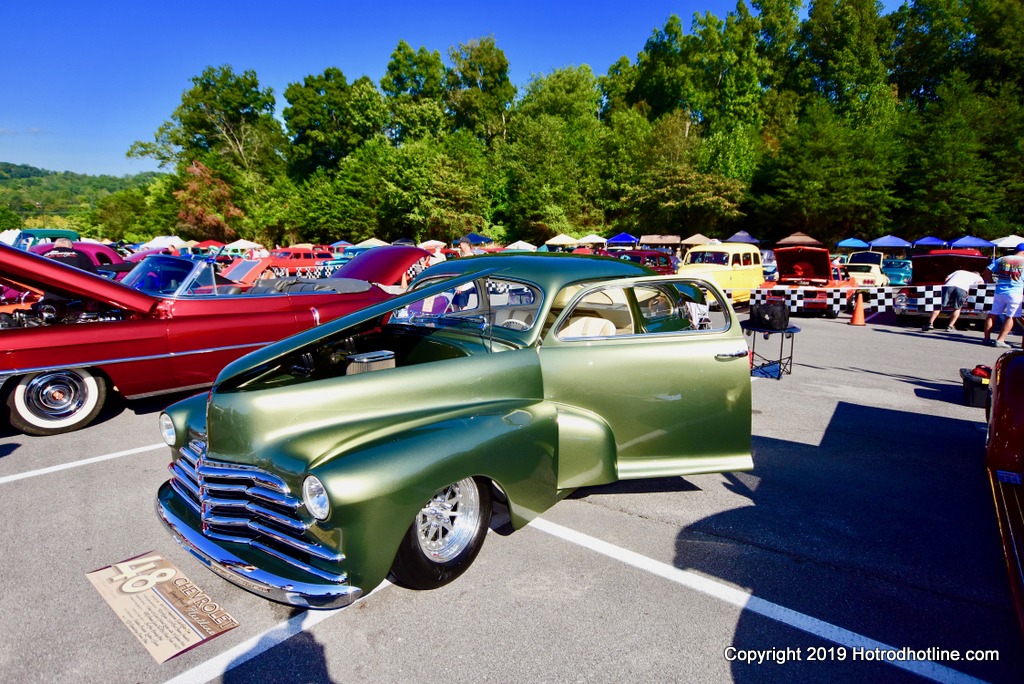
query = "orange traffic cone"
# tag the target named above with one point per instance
(858, 311)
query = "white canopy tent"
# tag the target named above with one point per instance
(592, 240)
(562, 240)
(431, 244)
(521, 245)
(1008, 242)
(372, 242)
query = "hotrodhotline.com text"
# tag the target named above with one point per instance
(781, 656)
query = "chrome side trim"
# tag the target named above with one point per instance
(249, 577)
(132, 359)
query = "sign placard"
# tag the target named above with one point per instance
(163, 608)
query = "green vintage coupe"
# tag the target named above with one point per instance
(375, 444)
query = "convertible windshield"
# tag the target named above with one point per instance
(720, 258)
(489, 301)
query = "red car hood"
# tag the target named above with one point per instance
(383, 265)
(932, 269)
(39, 273)
(803, 263)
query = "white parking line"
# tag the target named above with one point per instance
(746, 601)
(247, 650)
(78, 464)
(261, 643)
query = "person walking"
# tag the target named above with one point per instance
(1009, 274)
(954, 296)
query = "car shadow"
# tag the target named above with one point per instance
(885, 529)
(300, 658)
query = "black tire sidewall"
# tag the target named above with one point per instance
(414, 570)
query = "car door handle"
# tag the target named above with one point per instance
(742, 353)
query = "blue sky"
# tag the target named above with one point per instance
(80, 81)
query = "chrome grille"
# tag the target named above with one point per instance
(247, 505)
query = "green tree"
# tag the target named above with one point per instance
(730, 70)
(844, 44)
(9, 219)
(224, 120)
(933, 38)
(479, 91)
(327, 118)
(953, 184)
(414, 89)
(999, 48)
(831, 178)
(664, 79)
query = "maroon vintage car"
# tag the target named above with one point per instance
(170, 325)
(1004, 458)
(928, 273)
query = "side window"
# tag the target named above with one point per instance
(679, 307)
(735, 259)
(601, 313)
(757, 258)
(748, 260)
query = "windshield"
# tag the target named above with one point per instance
(720, 258)
(159, 275)
(476, 304)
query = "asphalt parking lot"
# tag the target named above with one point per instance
(864, 530)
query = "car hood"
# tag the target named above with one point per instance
(236, 370)
(818, 266)
(384, 265)
(932, 269)
(39, 273)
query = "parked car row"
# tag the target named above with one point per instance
(171, 324)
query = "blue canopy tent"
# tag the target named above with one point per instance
(622, 239)
(852, 243)
(890, 241)
(971, 241)
(341, 243)
(743, 236)
(477, 239)
(930, 241)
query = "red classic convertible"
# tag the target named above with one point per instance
(172, 324)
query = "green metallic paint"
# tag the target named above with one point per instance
(538, 421)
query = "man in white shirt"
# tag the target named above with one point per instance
(954, 295)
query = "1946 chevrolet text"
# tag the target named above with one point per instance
(376, 443)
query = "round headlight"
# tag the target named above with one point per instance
(167, 429)
(315, 497)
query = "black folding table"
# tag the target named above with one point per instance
(767, 364)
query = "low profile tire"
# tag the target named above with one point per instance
(52, 402)
(445, 536)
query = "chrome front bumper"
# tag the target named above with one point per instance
(246, 575)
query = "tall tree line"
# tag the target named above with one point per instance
(848, 122)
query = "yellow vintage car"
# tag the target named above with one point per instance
(733, 266)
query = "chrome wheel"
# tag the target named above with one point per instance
(52, 402)
(448, 523)
(445, 535)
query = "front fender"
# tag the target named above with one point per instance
(377, 489)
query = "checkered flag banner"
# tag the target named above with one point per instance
(920, 299)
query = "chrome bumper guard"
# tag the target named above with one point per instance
(246, 575)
